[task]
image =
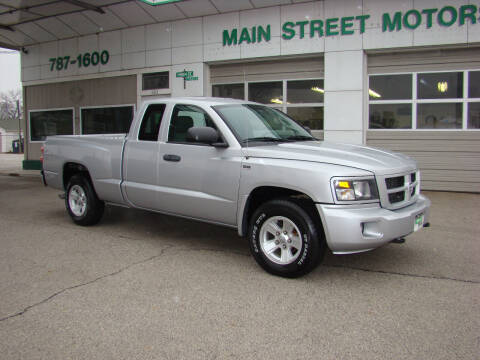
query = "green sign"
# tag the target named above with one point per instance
(82, 60)
(446, 16)
(186, 75)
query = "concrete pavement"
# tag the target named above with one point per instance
(147, 286)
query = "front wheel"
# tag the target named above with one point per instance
(82, 203)
(284, 239)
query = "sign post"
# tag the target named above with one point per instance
(187, 76)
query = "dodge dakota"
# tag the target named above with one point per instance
(247, 166)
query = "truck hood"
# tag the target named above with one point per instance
(378, 161)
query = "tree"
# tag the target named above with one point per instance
(10, 113)
(8, 105)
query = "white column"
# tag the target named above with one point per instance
(345, 105)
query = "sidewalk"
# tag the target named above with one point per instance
(11, 164)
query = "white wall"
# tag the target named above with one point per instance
(189, 44)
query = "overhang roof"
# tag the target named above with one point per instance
(29, 22)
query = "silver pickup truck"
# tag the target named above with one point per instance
(246, 166)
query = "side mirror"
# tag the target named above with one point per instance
(204, 135)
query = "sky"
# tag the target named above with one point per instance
(9, 70)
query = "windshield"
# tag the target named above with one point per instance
(250, 122)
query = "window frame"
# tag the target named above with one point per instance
(40, 110)
(154, 92)
(102, 107)
(284, 106)
(414, 101)
(220, 135)
(138, 126)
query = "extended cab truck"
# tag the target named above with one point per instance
(247, 166)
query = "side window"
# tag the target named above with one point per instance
(151, 122)
(183, 118)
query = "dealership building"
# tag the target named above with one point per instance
(400, 75)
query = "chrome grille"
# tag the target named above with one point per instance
(399, 190)
(396, 197)
(395, 182)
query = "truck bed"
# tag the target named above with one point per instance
(102, 153)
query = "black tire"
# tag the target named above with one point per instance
(304, 256)
(92, 210)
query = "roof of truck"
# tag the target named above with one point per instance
(198, 100)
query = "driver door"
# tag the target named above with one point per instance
(197, 180)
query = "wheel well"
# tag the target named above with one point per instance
(70, 169)
(263, 194)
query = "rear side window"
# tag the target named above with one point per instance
(183, 118)
(151, 122)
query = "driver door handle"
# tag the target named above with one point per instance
(170, 157)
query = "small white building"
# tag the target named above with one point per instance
(6, 139)
(402, 75)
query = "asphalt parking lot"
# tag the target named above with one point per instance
(148, 286)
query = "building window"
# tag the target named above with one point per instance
(447, 85)
(473, 120)
(425, 100)
(304, 91)
(106, 120)
(390, 116)
(439, 116)
(304, 98)
(311, 116)
(270, 92)
(233, 91)
(157, 80)
(390, 87)
(45, 123)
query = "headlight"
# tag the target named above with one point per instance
(355, 190)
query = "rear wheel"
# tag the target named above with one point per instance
(284, 239)
(82, 203)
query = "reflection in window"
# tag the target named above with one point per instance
(440, 85)
(473, 115)
(233, 91)
(390, 87)
(390, 116)
(305, 91)
(108, 120)
(266, 92)
(49, 123)
(311, 117)
(474, 84)
(439, 116)
(158, 80)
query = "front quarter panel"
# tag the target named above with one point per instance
(310, 178)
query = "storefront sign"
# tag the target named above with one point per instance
(82, 60)
(446, 16)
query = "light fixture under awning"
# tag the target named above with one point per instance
(317, 89)
(374, 94)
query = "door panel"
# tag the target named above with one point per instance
(202, 184)
(141, 160)
(140, 178)
(197, 180)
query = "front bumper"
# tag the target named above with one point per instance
(351, 229)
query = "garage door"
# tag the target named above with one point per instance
(427, 105)
(294, 86)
